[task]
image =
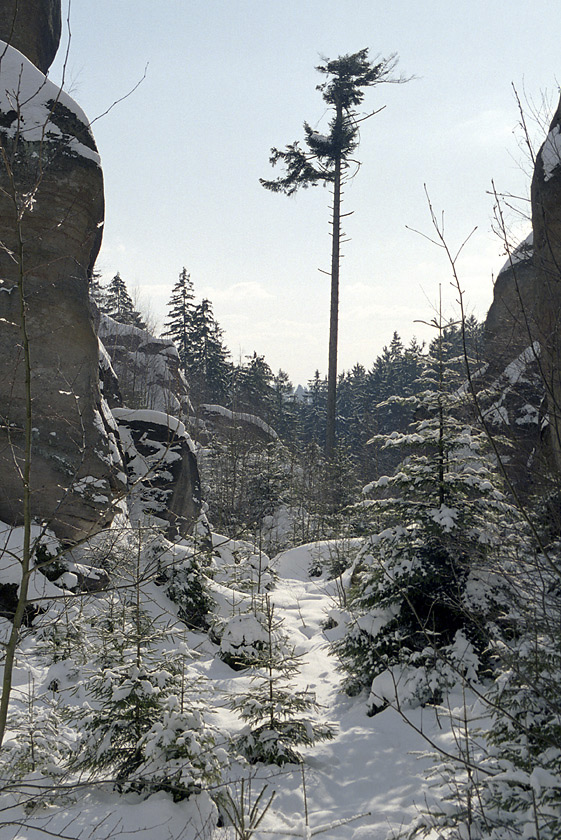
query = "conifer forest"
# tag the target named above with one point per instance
(233, 606)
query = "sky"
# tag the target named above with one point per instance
(222, 81)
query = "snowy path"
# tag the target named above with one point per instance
(368, 767)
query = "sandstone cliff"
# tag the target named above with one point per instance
(162, 466)
(33, 27)
(51, 216)
(546, 222)
(511, 324)
(147, 368)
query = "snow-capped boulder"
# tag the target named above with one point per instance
(33, 27)
(147, 368)
(162, 469)
(51, 173)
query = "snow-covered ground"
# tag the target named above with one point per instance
(371, 766)
(371, 769)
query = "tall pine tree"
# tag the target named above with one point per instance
(210, 369)
(179, 324)
(329, 159)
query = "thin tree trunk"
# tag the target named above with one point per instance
(330, 436)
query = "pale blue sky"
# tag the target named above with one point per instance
(228, 79)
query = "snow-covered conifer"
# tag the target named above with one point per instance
(511, 787)
(140, 731)
(179, 323)
(117, 303)
(279, 717)
(424, 590)
(38, 742)
(183, 577)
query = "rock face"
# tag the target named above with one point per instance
(51, 216)
(513, 407)
(222, 423)
(511, 324)
(162, 466)
(143, 372)
(33, 27)
(147, 368)
(524, 323)
(546, 221)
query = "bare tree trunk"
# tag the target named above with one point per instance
(330, 436)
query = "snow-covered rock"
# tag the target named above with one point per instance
(221, 419)
(510, 325)
(51, 170)
(147, 368)
(162, 469)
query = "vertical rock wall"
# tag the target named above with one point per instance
(511, 324)
(51, 217)
(33, 27)
(546, 221)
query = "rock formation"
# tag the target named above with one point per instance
(51, 216)
(511, 325)
(162, 466)
(57, 384)
(222, 423)
(546, 222)
(143, 372)
(523, 329)
(33, 27)
(147, 368)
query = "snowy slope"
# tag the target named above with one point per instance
(368, 769)
(370, 765)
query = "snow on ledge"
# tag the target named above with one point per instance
(158, 418)
(237, 415)
(522, 252)
(30, 94)
(516, 368)
(109, 327)
(551, 152)
(148, 415)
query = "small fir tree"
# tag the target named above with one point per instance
(119, 306)
(277, 715)
(511, 789)
(39, 742)
(142, 733)
(186, 585)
